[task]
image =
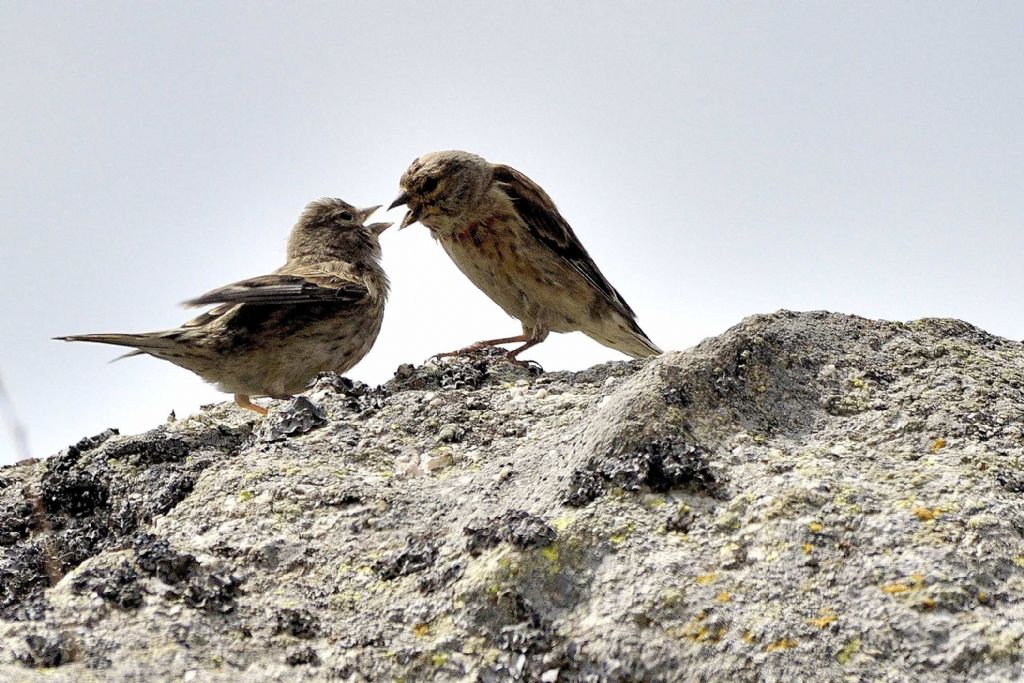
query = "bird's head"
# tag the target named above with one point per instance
(442, 186)
(331, 228)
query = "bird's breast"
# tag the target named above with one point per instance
(498, 255)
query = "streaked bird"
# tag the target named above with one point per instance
(270, 335)
(506, 235)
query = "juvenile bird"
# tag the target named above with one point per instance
(270, 335)
(506, 235)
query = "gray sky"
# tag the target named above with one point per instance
(718, 159)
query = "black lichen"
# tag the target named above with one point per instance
(302, 655)
(441, 578)
(149, 449)
(297, 622)
(659, 465)
(118, 586)
(45, 651)
(517, 527)
(585, 485)
(357, 397)
(300, 416)
(190, 582)
(417, 555)
(156, 558)
(212, 592)
(72, 490)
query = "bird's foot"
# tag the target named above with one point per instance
(242, 401)
(453, 354)
(533, 366)
(473, 348)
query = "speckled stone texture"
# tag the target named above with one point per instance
(808, 496)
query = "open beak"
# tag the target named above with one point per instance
(363, 214)
(378, 228)
(411, 216)
(400, 200)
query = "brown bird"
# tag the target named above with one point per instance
(506, 235)
(321, 311)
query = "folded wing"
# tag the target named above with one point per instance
(287, 289)
(547, 225)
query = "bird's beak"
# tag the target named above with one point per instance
(363, 214)
(411, 216)
(400, 200)
(378, 228)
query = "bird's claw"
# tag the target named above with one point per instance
(532, 366)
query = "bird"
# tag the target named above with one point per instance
(507, 236)
(270, 335)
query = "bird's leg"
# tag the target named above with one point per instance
(496, 342)
(242, 401)
(483, 345)
(532, 336)
(529, 343)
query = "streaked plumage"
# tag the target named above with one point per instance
(270, 335)
(506, 235)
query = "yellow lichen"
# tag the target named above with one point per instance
(914, 582)
(723, 596)
(245, 496)
(815, 527)
(897, 587)
(850, 649)
(652, 501)
(808, 548)
(926, 514)
(421, 630)
(706, 579)
(699, 633)
(781, 644)
(826, 618)
(439, 659)
(560, 524)
(937, 445)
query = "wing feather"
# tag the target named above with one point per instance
(547, 225)
(288, 286)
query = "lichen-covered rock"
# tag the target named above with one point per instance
(807, 496)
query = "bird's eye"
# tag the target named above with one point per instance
(429, 185)
(345, 216)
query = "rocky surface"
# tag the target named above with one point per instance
(807, 496)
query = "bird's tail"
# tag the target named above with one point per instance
(155, 344)
(630, 340)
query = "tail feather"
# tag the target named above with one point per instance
(152, 344)
(632, 342)
(648, 348)
(637, 346)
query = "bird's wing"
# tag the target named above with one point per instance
(290, 285)
(547, 225)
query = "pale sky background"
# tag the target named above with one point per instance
(718, 159)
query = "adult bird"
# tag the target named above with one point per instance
(506, 235)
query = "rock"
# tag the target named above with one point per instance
(806, 496)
